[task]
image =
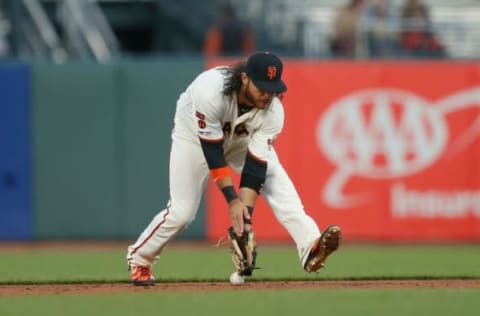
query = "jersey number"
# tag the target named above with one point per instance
(240, 130)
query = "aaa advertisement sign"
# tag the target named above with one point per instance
(389, 151)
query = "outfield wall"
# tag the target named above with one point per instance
(15, 152)
(100, 142)
(388, 150)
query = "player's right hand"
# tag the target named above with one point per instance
(238, 211)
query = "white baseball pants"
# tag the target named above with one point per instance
(188, 178)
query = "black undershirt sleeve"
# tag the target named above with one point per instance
(213, 152)
(254, 173)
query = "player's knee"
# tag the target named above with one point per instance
(182, 220)
(182, 216)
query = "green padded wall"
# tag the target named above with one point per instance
(149, 93)
(101, 137)
(75, 166)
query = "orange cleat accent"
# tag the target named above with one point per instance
(142, 275)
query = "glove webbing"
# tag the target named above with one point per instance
(239, 244)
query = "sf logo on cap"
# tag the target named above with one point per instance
(271, 72)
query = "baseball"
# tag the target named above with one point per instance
(236, 279)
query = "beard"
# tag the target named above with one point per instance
(249, 97)
(259, 104)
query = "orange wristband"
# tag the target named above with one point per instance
(220, 173)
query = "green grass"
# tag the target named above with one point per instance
(352, 262)
(214, 264)
(266, 303)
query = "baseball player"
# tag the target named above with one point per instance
(227, 119)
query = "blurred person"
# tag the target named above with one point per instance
(4, 32)
(229, 36)
(227, 119)
(344, 39)
(417, 38)
(4, 46)
(380, 25)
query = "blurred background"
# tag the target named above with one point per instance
(61, 30)
(88, 91)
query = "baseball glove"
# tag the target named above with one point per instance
(244, 251)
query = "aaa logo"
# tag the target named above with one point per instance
(387, 134)
(382, 133)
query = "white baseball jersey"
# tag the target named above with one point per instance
(204, 111)
(204, 101)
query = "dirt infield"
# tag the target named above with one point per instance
(60, 289)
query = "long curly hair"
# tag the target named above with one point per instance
(233, 76)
